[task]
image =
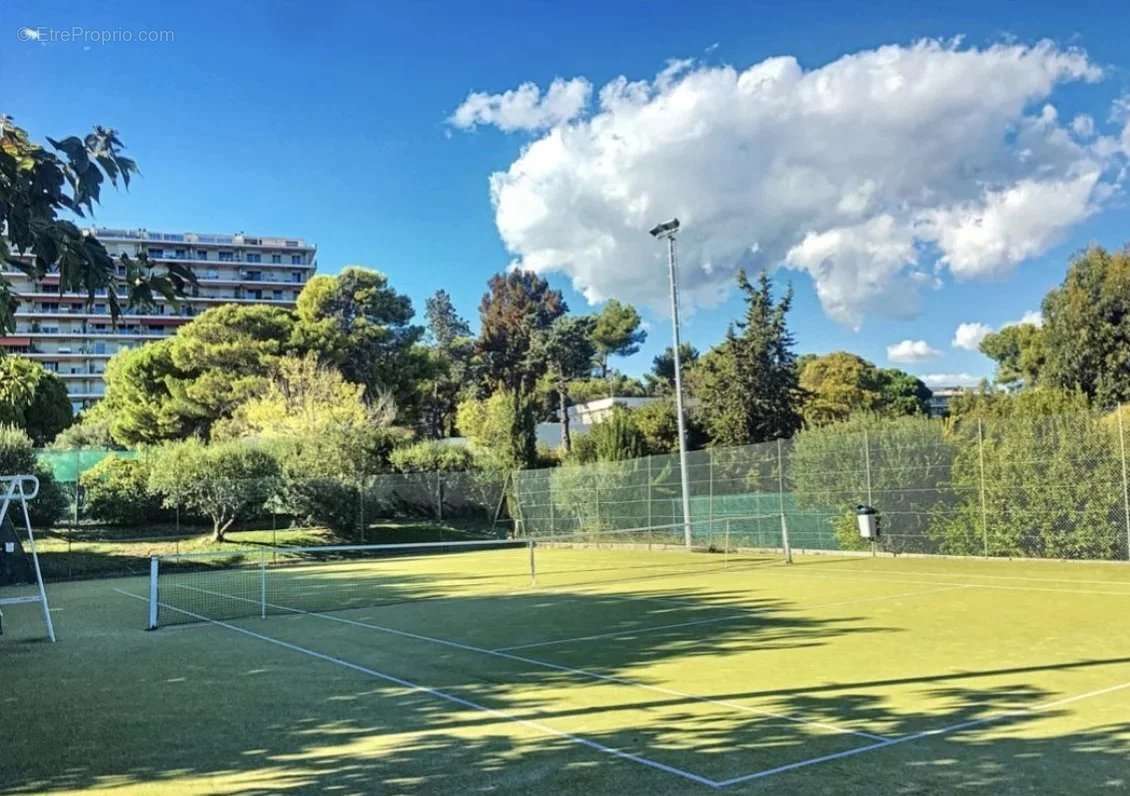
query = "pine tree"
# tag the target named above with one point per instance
(747, 387)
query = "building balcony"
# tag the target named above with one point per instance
(69, 335)
(206, 239)
(65, 355)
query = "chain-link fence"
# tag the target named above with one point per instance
(1044, 487)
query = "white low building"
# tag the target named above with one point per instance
(583, 417)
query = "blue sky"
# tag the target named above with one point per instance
(329, 121)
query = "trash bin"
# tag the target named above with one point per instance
(868, 519)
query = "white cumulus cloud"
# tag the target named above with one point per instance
(970, 335)
(524, 108)
(938, 380)
(1034, 317)
(911, 351)
(880, 174)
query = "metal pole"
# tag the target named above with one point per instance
(679, 389)
(981, 465)
(785, 543)
(153, 570)
(1125, 484)
(867, 461)
(710, 477)
(650, 519)
(726, 546)
(533, 565)
(35, 561)
(263, 585)
(361, 507)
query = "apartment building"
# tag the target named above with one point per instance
(75, 340)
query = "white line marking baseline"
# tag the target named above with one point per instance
(1000, 717)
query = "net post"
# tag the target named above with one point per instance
(533, 564)
(263, 585)
(726, 546)
(788, 548)
(154, 570)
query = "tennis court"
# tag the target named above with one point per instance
(589, 665)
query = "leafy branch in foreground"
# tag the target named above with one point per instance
(37, 185)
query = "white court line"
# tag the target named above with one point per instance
(557, 667)
(537, 725)
(730, 618)
(846, 575)
(881, 742)
(1002, 561)
(1011, 714)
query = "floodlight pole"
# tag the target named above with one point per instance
(667, 232)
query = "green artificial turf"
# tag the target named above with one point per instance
(619, 671)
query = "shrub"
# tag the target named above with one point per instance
(33, 399)
(117, 492)
(431, 456)
(17, 456)
(500, 434)
(910, 461)
(222, 481)
(1051, 476)
(613, 439)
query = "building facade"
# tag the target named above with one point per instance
(582, 417)
(75, 339)
(941, 397)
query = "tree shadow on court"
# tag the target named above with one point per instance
(206, 709)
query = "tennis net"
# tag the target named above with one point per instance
(287, 580)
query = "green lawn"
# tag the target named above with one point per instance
(620, 671)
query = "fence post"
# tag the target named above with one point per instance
(1125, 489)
(867, 466)
(440, 481)
(361, 507)
(984, 505)
(596, 498)
(710, 499)
(781, 503)
(78, 475)
(650, 521)
(552, 511)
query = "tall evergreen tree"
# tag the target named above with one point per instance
(517, 307)
(1086, 330)
(616, 332)
(451, 368)
(661, 379)
(747, 386)
(445, 325)
(568, 350)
